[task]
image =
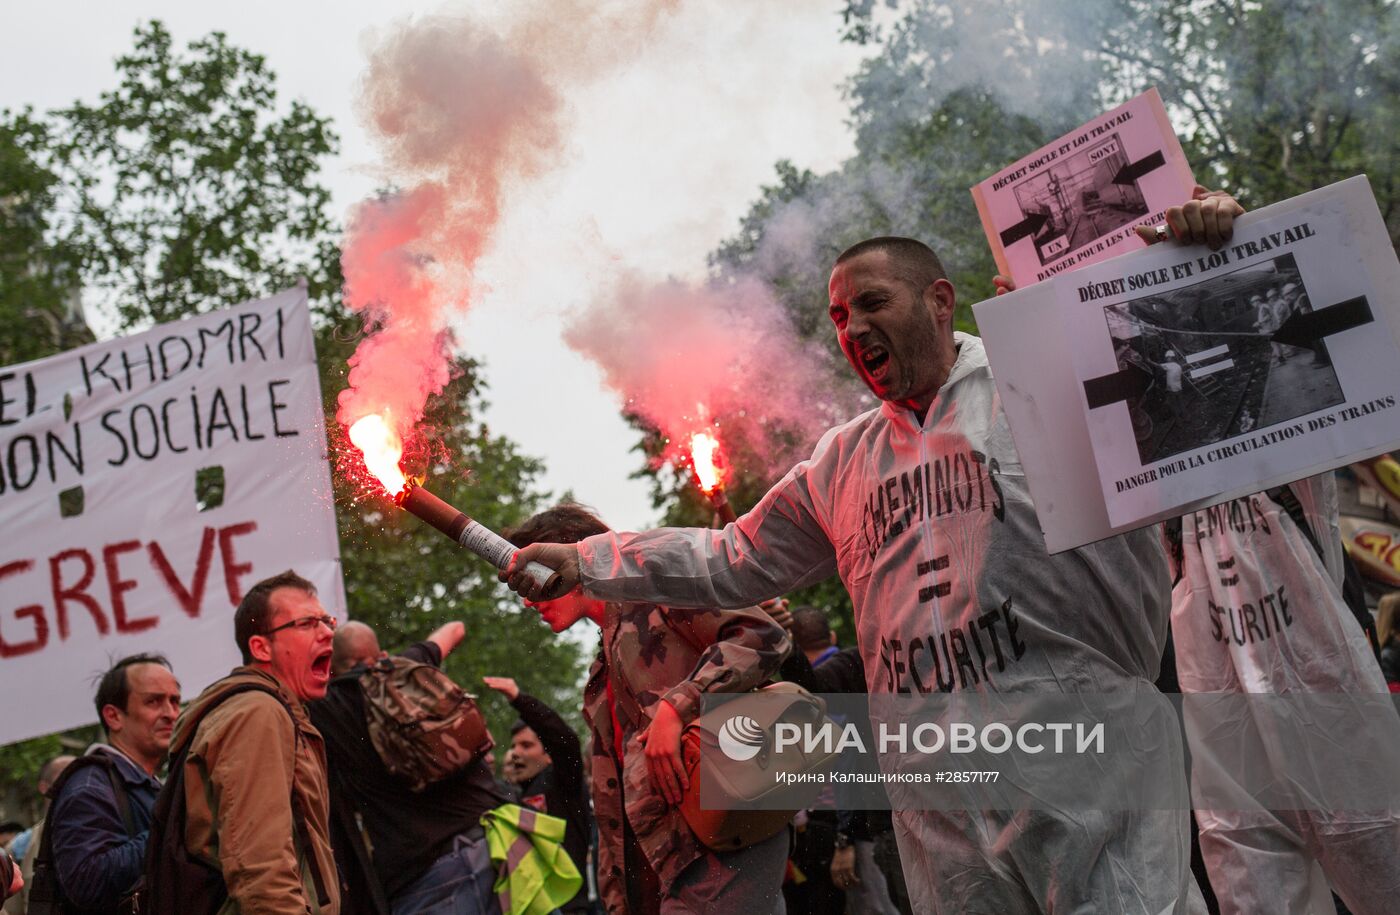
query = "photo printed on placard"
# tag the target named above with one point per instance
(1085, 197)
(1210, 368)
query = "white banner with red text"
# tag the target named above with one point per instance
(145, 484)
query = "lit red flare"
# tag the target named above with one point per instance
(704, 458)
(707, 461)
(383, 449)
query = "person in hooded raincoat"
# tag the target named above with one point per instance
(952, 588)
(1257, 608)
(1258, 611)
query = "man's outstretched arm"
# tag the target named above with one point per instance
(781, 545)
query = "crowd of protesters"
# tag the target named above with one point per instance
(293, 784)
(1090, 621)
(278, 800)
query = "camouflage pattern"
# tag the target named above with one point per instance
(423, 726)
(655, 653)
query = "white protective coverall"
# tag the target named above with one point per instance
(1256, 610)
(934, 535)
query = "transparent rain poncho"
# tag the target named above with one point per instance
(931, 529)
(1294, 739)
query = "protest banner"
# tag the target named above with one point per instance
(145, 484)
(1174, 378)
(1077, 200)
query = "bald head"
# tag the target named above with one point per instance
(354, 643)
(51, 771)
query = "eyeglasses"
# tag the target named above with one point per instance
(305, 623)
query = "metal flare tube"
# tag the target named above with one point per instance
(480, 540)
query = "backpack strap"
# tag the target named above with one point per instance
(1288, 500)
(190, 732)
(123, 801)
(45, 895)
(323, 898)
(358, 877)
(303, 834)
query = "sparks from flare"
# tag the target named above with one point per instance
(382, 449)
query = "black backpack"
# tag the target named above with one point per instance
(45, 895)
(177, 883)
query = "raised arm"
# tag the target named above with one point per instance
(448, 636)
(558, 739)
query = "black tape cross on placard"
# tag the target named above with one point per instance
(1307, 328)
(1135, 170)
(1302, 329)
(1023, 229)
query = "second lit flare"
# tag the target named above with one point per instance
(705, 461)
(703, 449)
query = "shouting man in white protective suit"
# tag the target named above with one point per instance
(952, 592)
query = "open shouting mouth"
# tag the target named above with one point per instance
(875, 360)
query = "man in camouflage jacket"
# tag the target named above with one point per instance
(649, 657)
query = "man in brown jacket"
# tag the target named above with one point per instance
(654, 666)
(255, 778)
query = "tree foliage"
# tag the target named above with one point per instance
(1271, 99)
(38, 274)
(188, 187)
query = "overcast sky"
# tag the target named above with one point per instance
(663, 158)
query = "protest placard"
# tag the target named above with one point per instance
(1076, 201)
(1175, 377)
(145, 484)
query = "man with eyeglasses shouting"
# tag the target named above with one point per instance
(252, 764)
